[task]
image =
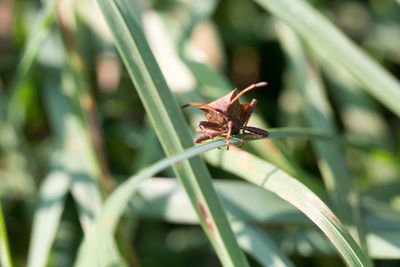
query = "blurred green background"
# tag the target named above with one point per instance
(63, 85)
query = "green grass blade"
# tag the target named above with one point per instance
(258, 244)
(245, 165)
(164, 199)
(53, 193)
(117, 202)
(5, 257)
(68, 124)
(381, 244)
(61, 96)
(35, 42)
(323, 135)
(171, 128)
(271, 178)
(358, 111)
(119, 199)
(319, 115)
(333, 45)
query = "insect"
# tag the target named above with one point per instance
(226, 116)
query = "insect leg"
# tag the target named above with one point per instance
(256, 131)
(202, 138)
(242, 140)
(209, 133)
(230, 125)
(209, 124)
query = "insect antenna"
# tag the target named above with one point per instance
(251, 87)
(203, 105)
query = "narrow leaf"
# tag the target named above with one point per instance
(35, 42)
(5, 258)
(53, 192)
(333, 45)
(269, 177)
(113, 208)
(319, 114)
(258, 244)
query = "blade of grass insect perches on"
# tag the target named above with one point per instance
(118, 201)
(5, 257)
(269, 177)
(35, 41)
(252, 215)
(171, 128)
(320, 115)
(334, 46)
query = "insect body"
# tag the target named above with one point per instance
(226, 116)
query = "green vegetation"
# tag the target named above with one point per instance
(97, 161)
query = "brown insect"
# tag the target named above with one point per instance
(226, 116)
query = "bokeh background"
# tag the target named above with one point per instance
(207, 47)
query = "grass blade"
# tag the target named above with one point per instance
(271, 178)
(319, 115)
(381, 244)
(181, 79)
(78, 163)
(171, 128)
(164, 199)
(53, 193)
(333, 45)
(5, 258)
(258, 244)
(358, 111)
(117, 202)
(83, 168)
(119, 199)
(35, 42)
